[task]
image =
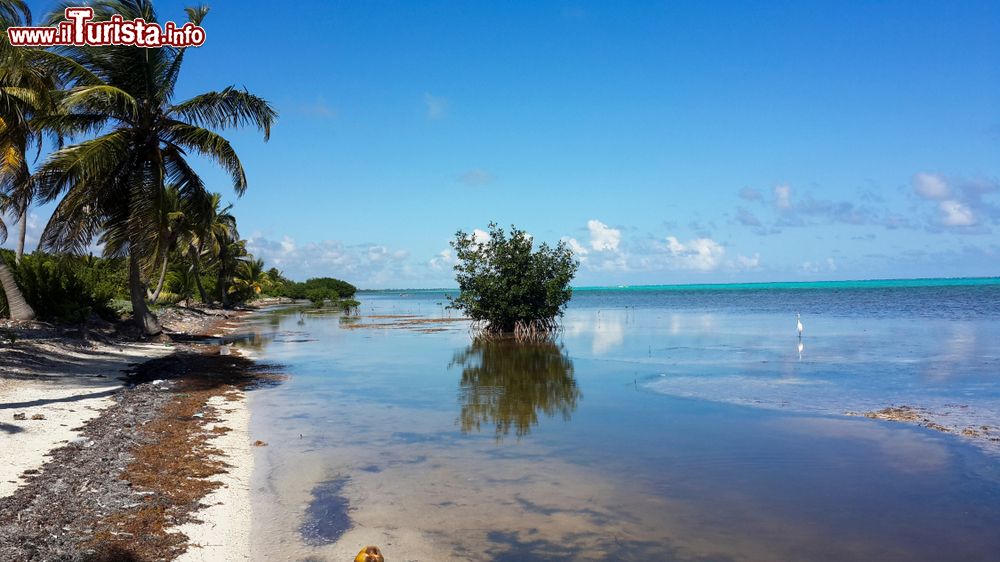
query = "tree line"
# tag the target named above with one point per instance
(119, 175)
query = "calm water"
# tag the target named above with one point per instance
(677, 424)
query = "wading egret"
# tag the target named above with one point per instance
(798, 322)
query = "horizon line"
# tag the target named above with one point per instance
(741, 283)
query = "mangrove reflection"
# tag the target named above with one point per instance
(507, 384)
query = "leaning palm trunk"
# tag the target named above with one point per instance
(22, 233)
(196, 270)
(155, 295)
(19, 308)
(141, 315)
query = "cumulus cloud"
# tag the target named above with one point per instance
(602, 237)
(361, 263)
(700, 254)
(579, 250)
(823, 266)
(930, 186)
(437, 107)
(960, 205)
(783, 197)
(746, 217)
(603, 250)
(748, 263)
(954, 213)
(476, 177)
(444, 260)
(32, 234)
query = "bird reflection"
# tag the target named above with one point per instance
(801, 348)
(506, 384)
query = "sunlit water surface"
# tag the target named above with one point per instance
(662, 425)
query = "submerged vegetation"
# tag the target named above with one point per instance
(508, 287)
(119, 175)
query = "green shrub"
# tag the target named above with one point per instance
(508, 287)
(64, 288)
(320, 287)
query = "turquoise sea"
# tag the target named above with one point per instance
(664, 423)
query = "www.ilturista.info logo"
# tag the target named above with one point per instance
(79, 30)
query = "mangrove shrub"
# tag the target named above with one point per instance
(508, 286)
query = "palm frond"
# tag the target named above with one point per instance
(229, 108)
(211, 145)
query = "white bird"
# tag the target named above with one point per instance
(798, 322)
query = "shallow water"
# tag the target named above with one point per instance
(663, 425)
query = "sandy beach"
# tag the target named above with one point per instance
(223, 535)
(64, 406)
(46, 404)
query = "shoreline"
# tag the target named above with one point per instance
(164, 452)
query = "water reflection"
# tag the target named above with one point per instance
(507, 384)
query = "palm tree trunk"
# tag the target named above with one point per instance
(222, 288)
(19, 308)
(141, 315)
(197, 274)
(22, 233)
(159, 284)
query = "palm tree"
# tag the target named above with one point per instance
(250, 275)
(113, 185)
(205, 234)
(231, 255)
(15, 135)
(175, 223)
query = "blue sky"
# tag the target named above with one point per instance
(666, 142)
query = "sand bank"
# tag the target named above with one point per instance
(44, 400)
(224, 532)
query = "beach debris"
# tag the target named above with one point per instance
(370, 554)
(20, 416)
(38, 417)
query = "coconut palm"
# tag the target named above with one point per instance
(250, 277)
(204, 237)
(175, 219)
(16, 102)
(232, 253)
(113, 186)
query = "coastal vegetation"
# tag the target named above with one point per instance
(507, 286)
(119, 175)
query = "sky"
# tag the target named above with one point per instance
(665, 142)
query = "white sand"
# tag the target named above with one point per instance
(224, 535)
(65, 390)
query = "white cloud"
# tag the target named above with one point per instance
(747, 263)
(32, 235)
(700, 254)
(444, 260)
(602, 237)
(930, 186)
(436, 106)
(370, 264)
(783, 196)
(954, 213)
(825, 266)
(579, 250)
